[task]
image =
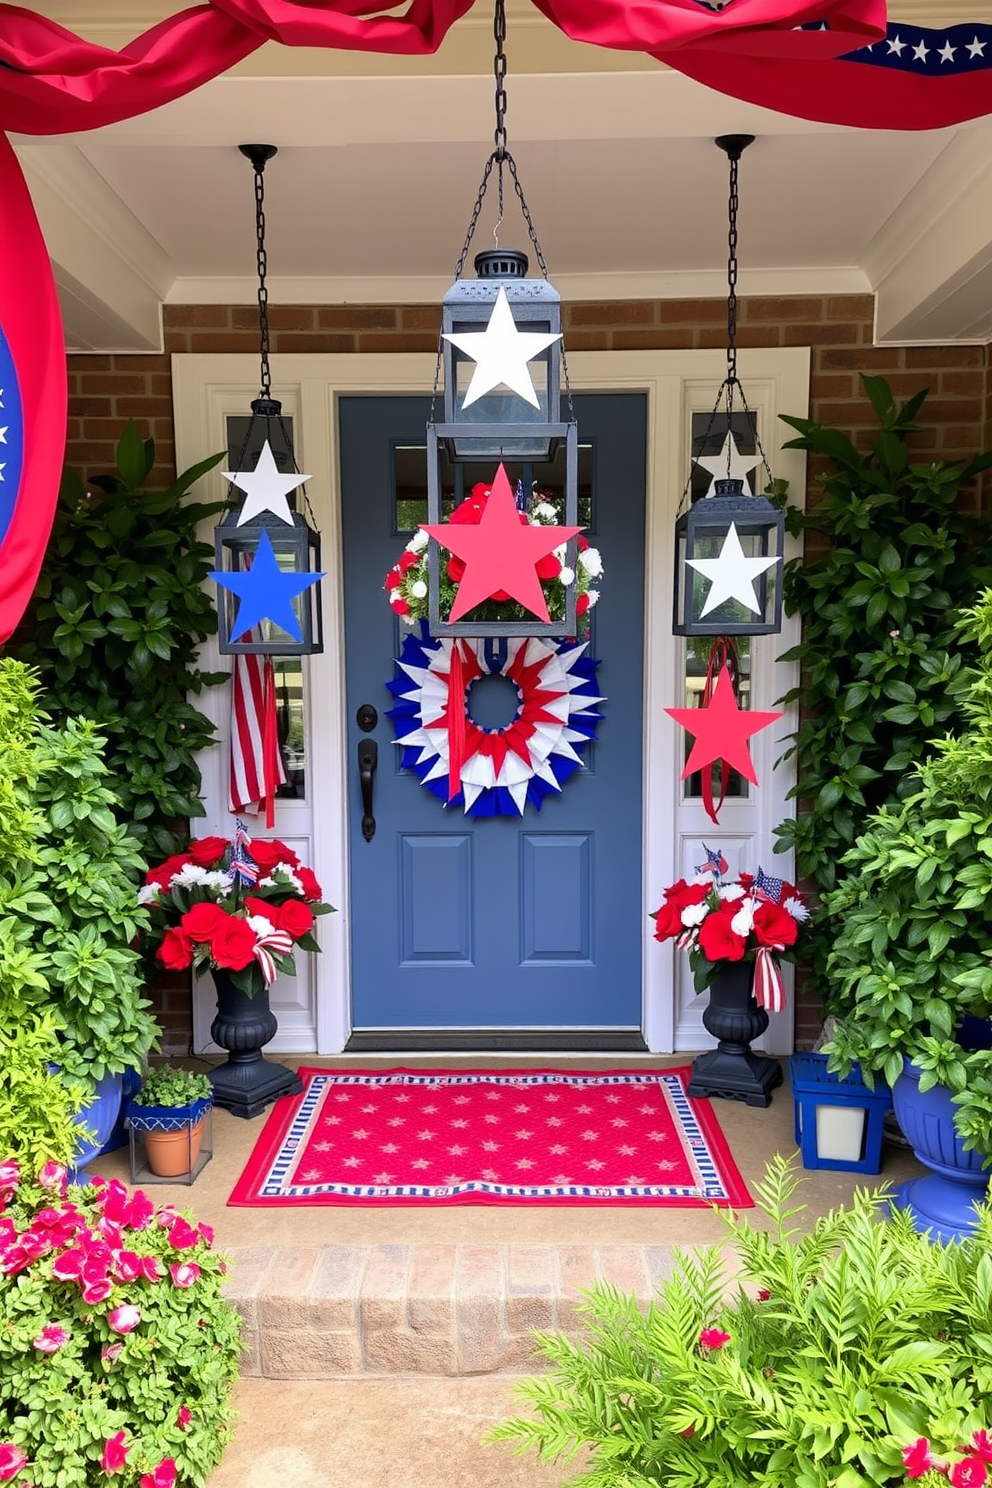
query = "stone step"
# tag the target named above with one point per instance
(324, 1312)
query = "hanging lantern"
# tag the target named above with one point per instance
(729, 542)
(267, 554)
(503, 362)
(504, 315)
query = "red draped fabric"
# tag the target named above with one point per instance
(59, 83)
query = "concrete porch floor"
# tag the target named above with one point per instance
(381, 1343)
(753, 1135)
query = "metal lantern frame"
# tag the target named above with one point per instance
(707, 521)
(758, 522)
(467, 306)
(235, 544)
(468, 440)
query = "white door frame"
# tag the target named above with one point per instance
(208, 387)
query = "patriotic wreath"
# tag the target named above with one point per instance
(493, 772)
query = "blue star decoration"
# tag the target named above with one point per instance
(266, 592)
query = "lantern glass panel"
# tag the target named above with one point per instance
(246, 434)
(536, 308)
(697, 660)
(296, 550)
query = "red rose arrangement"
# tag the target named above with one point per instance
(243, 907)
(406, 581)
(755, 918)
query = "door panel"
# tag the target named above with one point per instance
(501, 923)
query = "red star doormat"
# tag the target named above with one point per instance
(492, 1137)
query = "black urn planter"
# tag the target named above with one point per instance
(733, 1070)
(246, 1083)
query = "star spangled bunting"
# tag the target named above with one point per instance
(32, 394)
(914, 77)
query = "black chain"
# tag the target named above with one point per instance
(732, 279)
(263, 293)
(499, 72)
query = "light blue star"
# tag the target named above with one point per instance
(266, 592)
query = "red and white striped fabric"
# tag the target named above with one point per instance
(769, 988)
(257, 769)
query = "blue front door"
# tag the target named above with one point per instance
(502, 923)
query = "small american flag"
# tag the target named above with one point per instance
(716, 863)
(257, 768)
(243, 865)
(768, 887)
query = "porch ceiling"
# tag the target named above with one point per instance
(380, 158)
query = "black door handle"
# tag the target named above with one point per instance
(368, 759)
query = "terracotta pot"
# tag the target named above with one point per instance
(173, 1154)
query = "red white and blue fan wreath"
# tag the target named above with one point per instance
(493, 772)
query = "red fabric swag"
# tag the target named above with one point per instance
(60, 83)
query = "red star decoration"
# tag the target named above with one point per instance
(721, 730)
(500, 552)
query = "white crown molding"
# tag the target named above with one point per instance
(690, 284)
(68, 175)
(112, 275)
(931, 263)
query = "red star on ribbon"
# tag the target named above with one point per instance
(500, 552)
(721, 730)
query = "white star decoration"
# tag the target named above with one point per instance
(265, 489)
(732, 575)
(729, 464)
(501, 354)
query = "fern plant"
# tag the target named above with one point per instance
(847, 1344)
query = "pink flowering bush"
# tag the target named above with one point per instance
(847, 1353)
(117, 1350)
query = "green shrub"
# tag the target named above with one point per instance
(912, 919)
(869, 1338)
(114, 628)
(881, 662)
(119, 1372)
(68, 913)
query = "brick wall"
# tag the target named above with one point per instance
(107, 390)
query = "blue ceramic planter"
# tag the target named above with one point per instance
(99, 1117)
(943, 1201)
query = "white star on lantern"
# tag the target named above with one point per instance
(501, 354)
(729, 464)
(732, 575)
(265, 489)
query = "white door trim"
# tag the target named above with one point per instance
(208, 387)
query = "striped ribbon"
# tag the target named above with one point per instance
(769, 988)
(275, 940)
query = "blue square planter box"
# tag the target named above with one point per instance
(839, 1123)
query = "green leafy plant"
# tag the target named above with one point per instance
(114, 628)
(68, 915)
(169, 1085)
(912, 918)
(849, 1347)
(116, 1364)
(36, 1108)
(881, 663)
